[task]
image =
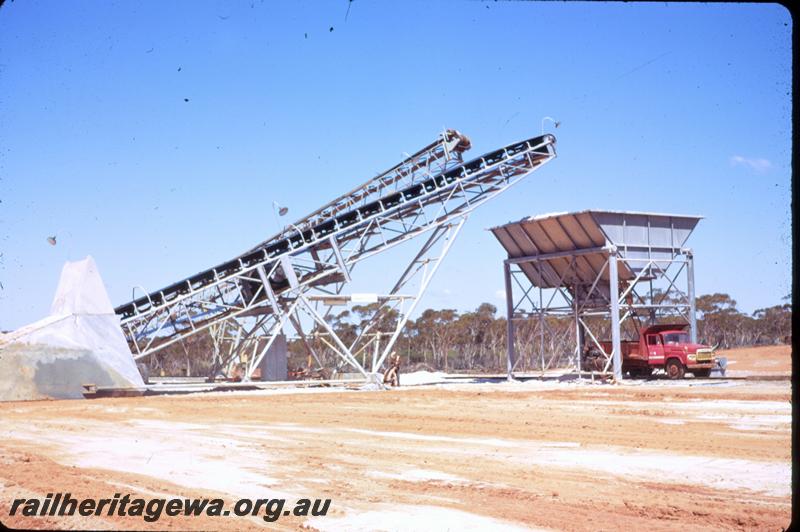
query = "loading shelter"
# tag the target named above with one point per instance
(605, 271)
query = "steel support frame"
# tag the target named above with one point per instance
(620, 304)
(326, 266)
(421, 269)
(258, 299)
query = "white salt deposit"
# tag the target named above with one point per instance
(418, 378)
(174, 452)
(765, 422)
(773, 478)
(424, 437)
(408, 518)
(727, 404)
(672, 421)
(419, 475)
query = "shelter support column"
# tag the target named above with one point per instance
(616, 346)
(509, 320)
(690, 293)
(578, 336)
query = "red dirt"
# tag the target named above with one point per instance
(771, 359)
(512, 452)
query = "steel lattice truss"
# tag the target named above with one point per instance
(259, 292)
(638, 300)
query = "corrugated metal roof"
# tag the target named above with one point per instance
(638, 236)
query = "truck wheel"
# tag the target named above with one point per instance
(675, 369)
(702, 373)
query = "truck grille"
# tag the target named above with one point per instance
(704, 355)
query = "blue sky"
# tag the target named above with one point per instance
(682, 108)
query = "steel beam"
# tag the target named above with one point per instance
(450, 236)
(558, 255)
(690, 290)
(509, 319)
(616, 346)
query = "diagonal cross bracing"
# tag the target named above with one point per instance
(430, 189)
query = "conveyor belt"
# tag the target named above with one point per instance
(433, 175)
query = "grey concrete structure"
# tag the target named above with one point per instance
(274, 365)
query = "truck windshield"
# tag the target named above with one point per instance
(676, 338)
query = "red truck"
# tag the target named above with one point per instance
(666, 347)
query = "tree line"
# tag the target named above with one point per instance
(448, 340)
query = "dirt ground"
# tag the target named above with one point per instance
(644, 455)
(772, 360)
